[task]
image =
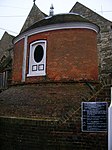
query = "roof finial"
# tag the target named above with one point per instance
(34, 1)
(51, 12)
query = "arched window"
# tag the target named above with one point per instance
(37, 58)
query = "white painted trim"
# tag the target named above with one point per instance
(32, 61)
(73, 25)
(110, 124)
(24, 60)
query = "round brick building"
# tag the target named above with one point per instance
(58, 48)
(55, 68)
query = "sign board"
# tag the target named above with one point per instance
(94, 116)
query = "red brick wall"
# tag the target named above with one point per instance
(17, 61)
(71, 55)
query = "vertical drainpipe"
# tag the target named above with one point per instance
(24, 59)
(110, 124)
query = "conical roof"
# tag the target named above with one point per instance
(35, 15)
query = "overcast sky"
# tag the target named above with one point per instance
(13, 13)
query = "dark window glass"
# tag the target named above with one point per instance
(38, 53)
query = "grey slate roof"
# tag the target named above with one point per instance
(57, 19)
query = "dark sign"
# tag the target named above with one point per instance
(94, 116)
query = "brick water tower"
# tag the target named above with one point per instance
(55, 68)
(62, 47)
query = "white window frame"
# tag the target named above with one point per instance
(37, 69)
